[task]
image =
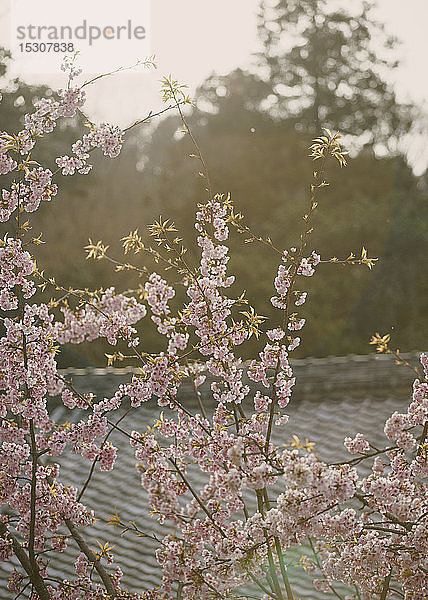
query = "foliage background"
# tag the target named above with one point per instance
(255, 147)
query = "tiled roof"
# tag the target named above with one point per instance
(333, 397)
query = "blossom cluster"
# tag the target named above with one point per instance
(7, 163)
(107, 137)
(16, 266)
(28, 194)
(111, 316)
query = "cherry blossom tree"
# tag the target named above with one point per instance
(367, 532)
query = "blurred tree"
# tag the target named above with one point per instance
(376, 202)
(18, 97)
(235, 100)
(323, 71)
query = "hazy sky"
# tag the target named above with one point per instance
(192, 38)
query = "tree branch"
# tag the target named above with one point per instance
(21, 555)
(90, 555)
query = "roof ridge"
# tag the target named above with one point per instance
(298, 362)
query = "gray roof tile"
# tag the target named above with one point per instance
(333, 398)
